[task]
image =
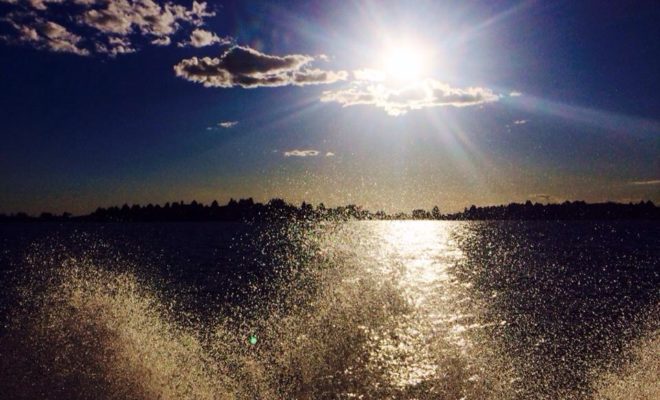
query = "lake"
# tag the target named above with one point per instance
(355, 310)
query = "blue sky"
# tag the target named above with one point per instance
(387, 104)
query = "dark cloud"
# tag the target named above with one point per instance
(249, 68)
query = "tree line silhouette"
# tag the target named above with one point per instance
(278, 209)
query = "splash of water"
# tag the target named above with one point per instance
(87, 332)
(351, 319)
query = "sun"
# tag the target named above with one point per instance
(404, 61)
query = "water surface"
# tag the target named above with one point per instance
(372, 310)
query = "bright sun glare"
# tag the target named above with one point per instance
(404, 61)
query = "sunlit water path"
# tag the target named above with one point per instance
(415, 257)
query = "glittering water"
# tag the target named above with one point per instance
(371, 310)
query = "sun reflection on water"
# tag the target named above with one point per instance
(422, 252)
(416, 256)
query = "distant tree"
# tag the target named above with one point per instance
(420, 214)
(277, 203)
(247, 210)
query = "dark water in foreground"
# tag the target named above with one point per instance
(360, 310)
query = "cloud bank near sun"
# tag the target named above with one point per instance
(112, 27)
(248, 68)
(245, 67)
(398, 100)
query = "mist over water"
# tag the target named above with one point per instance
(371, 310)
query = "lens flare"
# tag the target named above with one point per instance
(253, 339)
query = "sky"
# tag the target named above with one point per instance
(391, 105)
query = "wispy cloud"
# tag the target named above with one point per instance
(646, 183)
(48, 35)
(202, 38)
(227, 124)
(103, 26)
(301, 153)
(515, 94)
(520, 122)
(329, 154)
(398, 100)
(543, 197)
(245, 67)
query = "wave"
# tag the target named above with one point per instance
(81, 331)
(90, 324)
(638, 379)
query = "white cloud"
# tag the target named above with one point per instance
(119, 25)
(515, 94)
(227, 124)
(301, 153)
(414, 96)
(162, 41)
(116, 45)
(49, 35)
(145, 16)
(36, 4)
(248, 68)
(202, 38)
(520, 122)
(646, 183)
(329, 154)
